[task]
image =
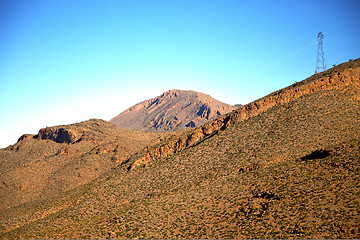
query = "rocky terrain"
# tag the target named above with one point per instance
(284, 166)
(174, 109)
(63, 157)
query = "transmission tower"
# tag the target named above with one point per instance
(320, 64)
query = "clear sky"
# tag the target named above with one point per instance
(66, 61)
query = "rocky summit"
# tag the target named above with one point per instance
(174, 109)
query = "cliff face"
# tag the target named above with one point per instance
(332, 79)
(174, 109)
(59, 135)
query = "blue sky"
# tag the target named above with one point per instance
(71, 60)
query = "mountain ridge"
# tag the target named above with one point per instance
(324, 81)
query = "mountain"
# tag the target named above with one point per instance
(283, 166)
(238, 105)
(174, 109)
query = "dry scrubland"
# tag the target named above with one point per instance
(285, 166)
(63, 157)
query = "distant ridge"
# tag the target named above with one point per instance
(174, 109)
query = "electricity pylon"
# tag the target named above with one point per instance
(320, 64)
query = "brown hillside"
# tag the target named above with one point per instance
(174, 109)
(337, 78)
(284, 166)
(63, 157)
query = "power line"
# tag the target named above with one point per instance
(299, 50)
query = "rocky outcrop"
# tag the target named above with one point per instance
(335, 78)
(59, 135)
(25, 136)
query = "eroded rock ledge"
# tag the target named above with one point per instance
(59, 135)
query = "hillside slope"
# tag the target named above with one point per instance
(174, 109)
(63, 157)
(284, 166)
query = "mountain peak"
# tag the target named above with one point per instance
(174, 109)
